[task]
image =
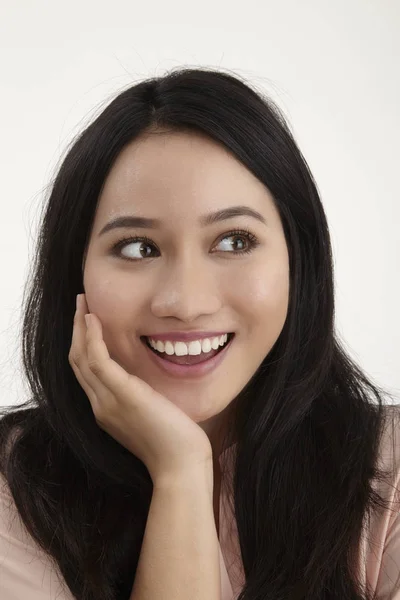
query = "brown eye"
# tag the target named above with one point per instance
(142, 250)
(144, 245)
(251, 241)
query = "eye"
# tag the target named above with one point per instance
(251, 240)
(139, 242)
(144, 242)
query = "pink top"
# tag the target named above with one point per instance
(26, 572)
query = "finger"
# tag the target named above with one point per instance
(84, 385)
(115, 378)
(106, 370)
(78, 355)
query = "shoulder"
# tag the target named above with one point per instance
(388, 461)
(389, 450)
(380, 543)
(25, 570)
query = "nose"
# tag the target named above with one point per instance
(186, 292)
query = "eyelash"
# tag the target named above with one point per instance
(117, 247)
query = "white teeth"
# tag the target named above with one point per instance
(192, 348)
(215, 343)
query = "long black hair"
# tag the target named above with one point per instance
(308, 424)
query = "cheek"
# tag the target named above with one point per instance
(104, 298)
(114, 309)
(266, 294)
(267, 300)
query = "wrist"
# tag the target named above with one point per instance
(196, 476)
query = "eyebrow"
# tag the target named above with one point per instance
(127, 221)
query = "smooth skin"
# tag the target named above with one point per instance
(187, 276)
(154, 429)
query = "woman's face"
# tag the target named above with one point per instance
(189, 276)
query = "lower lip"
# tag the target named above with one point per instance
(198, 370)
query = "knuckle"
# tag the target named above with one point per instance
(96, 411)
(102, 414)
(73, 357)
(95, 366)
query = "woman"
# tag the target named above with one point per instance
(207, 409)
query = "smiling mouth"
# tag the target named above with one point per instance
(188, 359)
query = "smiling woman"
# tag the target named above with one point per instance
(206, 409)
(185, 284)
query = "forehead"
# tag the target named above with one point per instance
(170, 173)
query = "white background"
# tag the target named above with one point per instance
(334, 69)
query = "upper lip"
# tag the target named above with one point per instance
(188, 336)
